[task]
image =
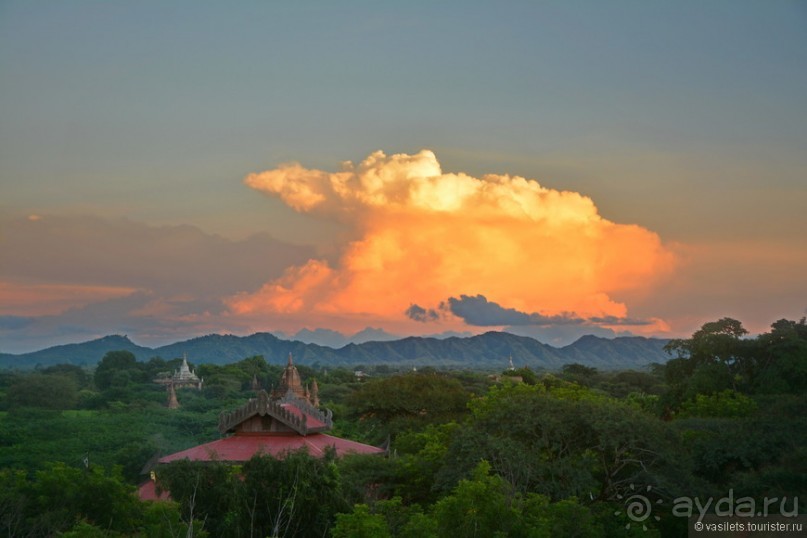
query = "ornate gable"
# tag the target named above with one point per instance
(287, 414)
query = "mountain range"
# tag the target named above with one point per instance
(489, 351)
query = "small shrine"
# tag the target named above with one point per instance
(183, 377)
(287, 420)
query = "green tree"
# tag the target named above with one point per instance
(563, 442)
(205, 491)
(708, 378)
(15, 502)
(755, 454)
(117, 362)
(567, 517)
(367, 478)
(715, 343)
(419, 525)
(782, 358)
(728, 403)
(79, 374)
(163, 520)
(43, 391)
(295, 496)
(360, 523)
(402, 402)
(579, 373)
(421, 455)
(60, 500)
(487, 505)
(479, 506)
(82, 529)
(527, 375)
(60, 496)
(623, 383)
(399, 516)
(719, 357)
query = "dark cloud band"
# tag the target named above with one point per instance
(477, 310)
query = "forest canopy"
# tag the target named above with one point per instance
(511, 453)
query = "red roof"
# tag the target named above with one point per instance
(312, 422)
(242, 446)
(148, 492)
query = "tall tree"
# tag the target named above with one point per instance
(117, 362)
(43, 391)
(562, 442)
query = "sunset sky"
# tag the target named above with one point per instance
(554, 169)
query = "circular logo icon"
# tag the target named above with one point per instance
(637, 506)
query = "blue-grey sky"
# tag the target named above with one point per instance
(688, 119)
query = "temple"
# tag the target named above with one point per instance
(182, 378)
(287, 420)
(291, 384)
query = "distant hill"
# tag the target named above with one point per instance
(491, 350)
(83, 354)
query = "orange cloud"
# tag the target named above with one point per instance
(422, 236)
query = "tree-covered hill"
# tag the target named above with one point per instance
(491, 350)
(81, 354)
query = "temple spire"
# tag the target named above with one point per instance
(314, 393)
(173, 403)
(290, 381)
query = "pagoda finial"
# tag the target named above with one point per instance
(290, 379)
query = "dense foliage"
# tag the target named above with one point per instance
(516, 453)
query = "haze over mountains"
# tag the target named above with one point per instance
(335, 339)
(491, 350)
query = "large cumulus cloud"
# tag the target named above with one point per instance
(421, 236)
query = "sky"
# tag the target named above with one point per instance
(321, 169)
